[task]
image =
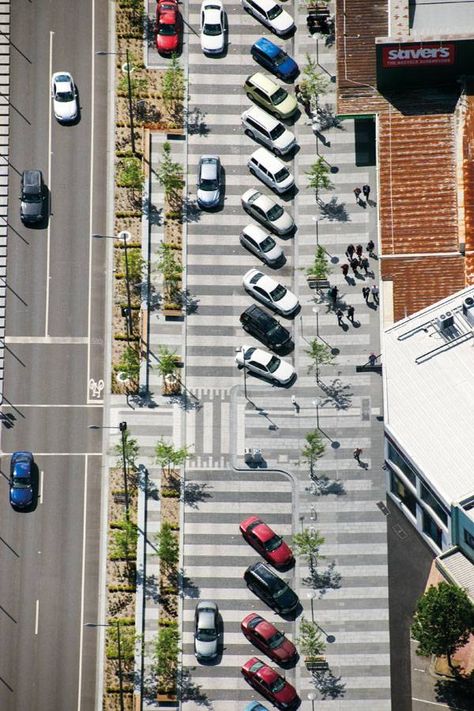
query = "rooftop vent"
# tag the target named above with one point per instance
(468, 308)
(445, 320)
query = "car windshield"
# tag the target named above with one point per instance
(279, 58)
(267, 244)
(278, 685)
(276, 640)
(167, 29)
(271, 367)
(282, 175)
(21, 482)
(204, 635)
(278, 292)
(273, 543)
(208, 184)
(275, 212)
(249, 353)
(64, 96)
(277, 131)
(274, 12)
(212, 30)
(32, 198)
(278, 96)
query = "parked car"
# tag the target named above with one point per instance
(209, 181)
(270, 14)
(64, 93)
(270, 292)
(260, 243)
(264, 91)
(270, 588)
(265, 364)
(270, 170)
(255, 706)
(266, 542)
(266, 328)
(206, 630)
(168, 27)
(266, 129)
(21, 479)
(212, 27)
(32, 197)
(268, 639)
(270, 684)
(275, 59)
(267, 211)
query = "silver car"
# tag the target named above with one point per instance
(206, 631)
(262, 245)
(209, 181)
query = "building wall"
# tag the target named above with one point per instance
(463, 530)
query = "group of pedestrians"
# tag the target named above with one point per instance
(357, 260)
(365, 192)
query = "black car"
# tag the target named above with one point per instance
(266, 328)
(32, 197)
(270, 588)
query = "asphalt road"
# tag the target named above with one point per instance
(49, 557)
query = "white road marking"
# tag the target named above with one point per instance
(37, 616)
(59, 454)
(91, 201)
(49, 340)
(41, 486)
(48, 231)
(20, 405)
(83, 582)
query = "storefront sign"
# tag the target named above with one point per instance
(415, 55)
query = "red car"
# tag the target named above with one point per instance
(268, 639)
(270, 684)
(266, 542)
(168, 25)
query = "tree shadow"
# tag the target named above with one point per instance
(337, 393)
(185, 400)
(328, 685)
(144, 484)
(151, 586)
(457, 693)
(329, 119)
(187, 585)
(333, 210)
(188, 690)
(191, 210)
(149, 30)
(324, 486)
(152, 213)
(323, 580)
(196, 122)
(195, 493)
(190, 303)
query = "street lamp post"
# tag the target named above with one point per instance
(116, 624)
(124, 236)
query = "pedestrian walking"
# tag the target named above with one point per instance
(370, 248)
(345, 269)
(350, 251)
(357, 192)
(356, 454)
(354, 265)
(350, 313)
(339, 315)
(366, 191)
(375, 293)
(372, 359)
(333, 293)
(359, 250)
(366, 294)
(364, 263)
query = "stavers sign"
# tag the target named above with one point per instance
(416, 55)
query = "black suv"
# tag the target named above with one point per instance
(271, 588)
(267, 329)
(32, 197)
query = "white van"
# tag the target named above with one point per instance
(268, 130)
(271, 170)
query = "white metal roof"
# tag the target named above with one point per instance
(429, 394)
(445, 17)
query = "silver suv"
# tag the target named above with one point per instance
(209, 182)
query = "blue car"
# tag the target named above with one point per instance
(273, 58)
(255, 706)
(21, 480)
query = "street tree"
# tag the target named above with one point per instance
(167, 361)
(310, 640)
(313, 449)
(165, 655)
(130, 173)
(318, 176)
(307, 544)
(170, 172)
(169, 266)
(167, 456)
(168, 545)
(127, 446)
(124, 538)
(443, 621)
(320, 268)
(313, 83)
(320, 354)
(129, 363)
(128, 640)
(172, 85)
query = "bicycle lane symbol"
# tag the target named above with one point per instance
(96, 387)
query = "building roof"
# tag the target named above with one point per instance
(429, 393)
(447, 17)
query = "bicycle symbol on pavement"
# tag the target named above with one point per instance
(96, 387)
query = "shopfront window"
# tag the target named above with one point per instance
(431, 529)
(395, 457)
(433, 502)
(398, 488)
(469, 539)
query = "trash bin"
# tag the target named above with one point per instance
(257, 456)
(248, 456)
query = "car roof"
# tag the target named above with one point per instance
(31, 178)
(265, 4)
(212, 4)
(265, 202)
(207, 618)
(265, 282)
(259, 355)
(269, 160)
(267, 46)
(264, 117)
(256, 232)
(263, 82)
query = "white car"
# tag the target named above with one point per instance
(212, 27)
(266, 364)
(270, 292)
(270, 14)
(64, 94)
(267, 211)
(262, 244)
